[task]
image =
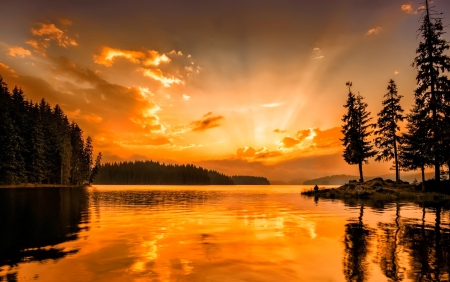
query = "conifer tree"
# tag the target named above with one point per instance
(356, 130)
(9, 149)
(96, 168)
(88, 157)
(388, 119)
(415, 148)
(431, 96)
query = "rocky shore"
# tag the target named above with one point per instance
(378, 189)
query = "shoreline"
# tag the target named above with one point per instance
(31, 185)
(378, 189)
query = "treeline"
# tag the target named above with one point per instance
(39, 145)
(426, 142)
(155, 173)
(249, 180)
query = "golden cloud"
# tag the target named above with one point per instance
(407, 8)
(18, 52)
(156, 141)
(374, 30)
(46, 33)
(252, 153)
(271, 105)
(93, 118)
(158, 75)
(279, 131)
(108, 55)
(291, 142)
(208, 121)
(154, 58)
(147, 58)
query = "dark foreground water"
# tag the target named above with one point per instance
(212, 233)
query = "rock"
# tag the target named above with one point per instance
(359, 190)
(353, 181)
(379, 190)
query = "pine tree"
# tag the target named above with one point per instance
(431, 95)
(88, 157)
(77, 172)
(96, 168)
(388, 120)
(35, 162)
(9, 149)
(356, 130)
(415, 148)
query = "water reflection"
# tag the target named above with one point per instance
(209, 234)
(34, 221)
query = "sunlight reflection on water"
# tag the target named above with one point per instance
(216, 233)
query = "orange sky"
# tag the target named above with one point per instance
(249, 87)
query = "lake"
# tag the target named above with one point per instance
(216, 233)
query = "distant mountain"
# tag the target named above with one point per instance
(297, 181)
(331, 180)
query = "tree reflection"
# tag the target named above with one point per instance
(388, 244)
(428, 247)
(356, 243)
(34, 221)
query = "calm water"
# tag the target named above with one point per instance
(212, 233)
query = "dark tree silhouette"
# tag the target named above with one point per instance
(150, 172)
(36, 143)
(431, 95)
(356, 249)
(414, 150)
(96, 168)
(388, 119)
(356, 130)
(388, 245)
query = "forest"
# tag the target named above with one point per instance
(150, 172)
(426, 140)
(39, 145)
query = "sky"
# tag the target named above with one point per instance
(243, 87)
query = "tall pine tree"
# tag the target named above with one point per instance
(431, 95)
(388, 119)
(415, 148)
(356, 130)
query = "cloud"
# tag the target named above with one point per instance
(317, 54)
(279, 131)
(147, 58)
(93, 118)
(313, 139)
(155, 141)
(271, 105)
(186, 97)
(208, 121)
(255, 154)
(158, 75)
(45, 33)
(18, 52)
(108, 56)
(289, 142)
(155, 58)
(407, 8)
(374, 30)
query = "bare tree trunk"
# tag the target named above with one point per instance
(423, 178)
(361, 178)
(397, 173)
